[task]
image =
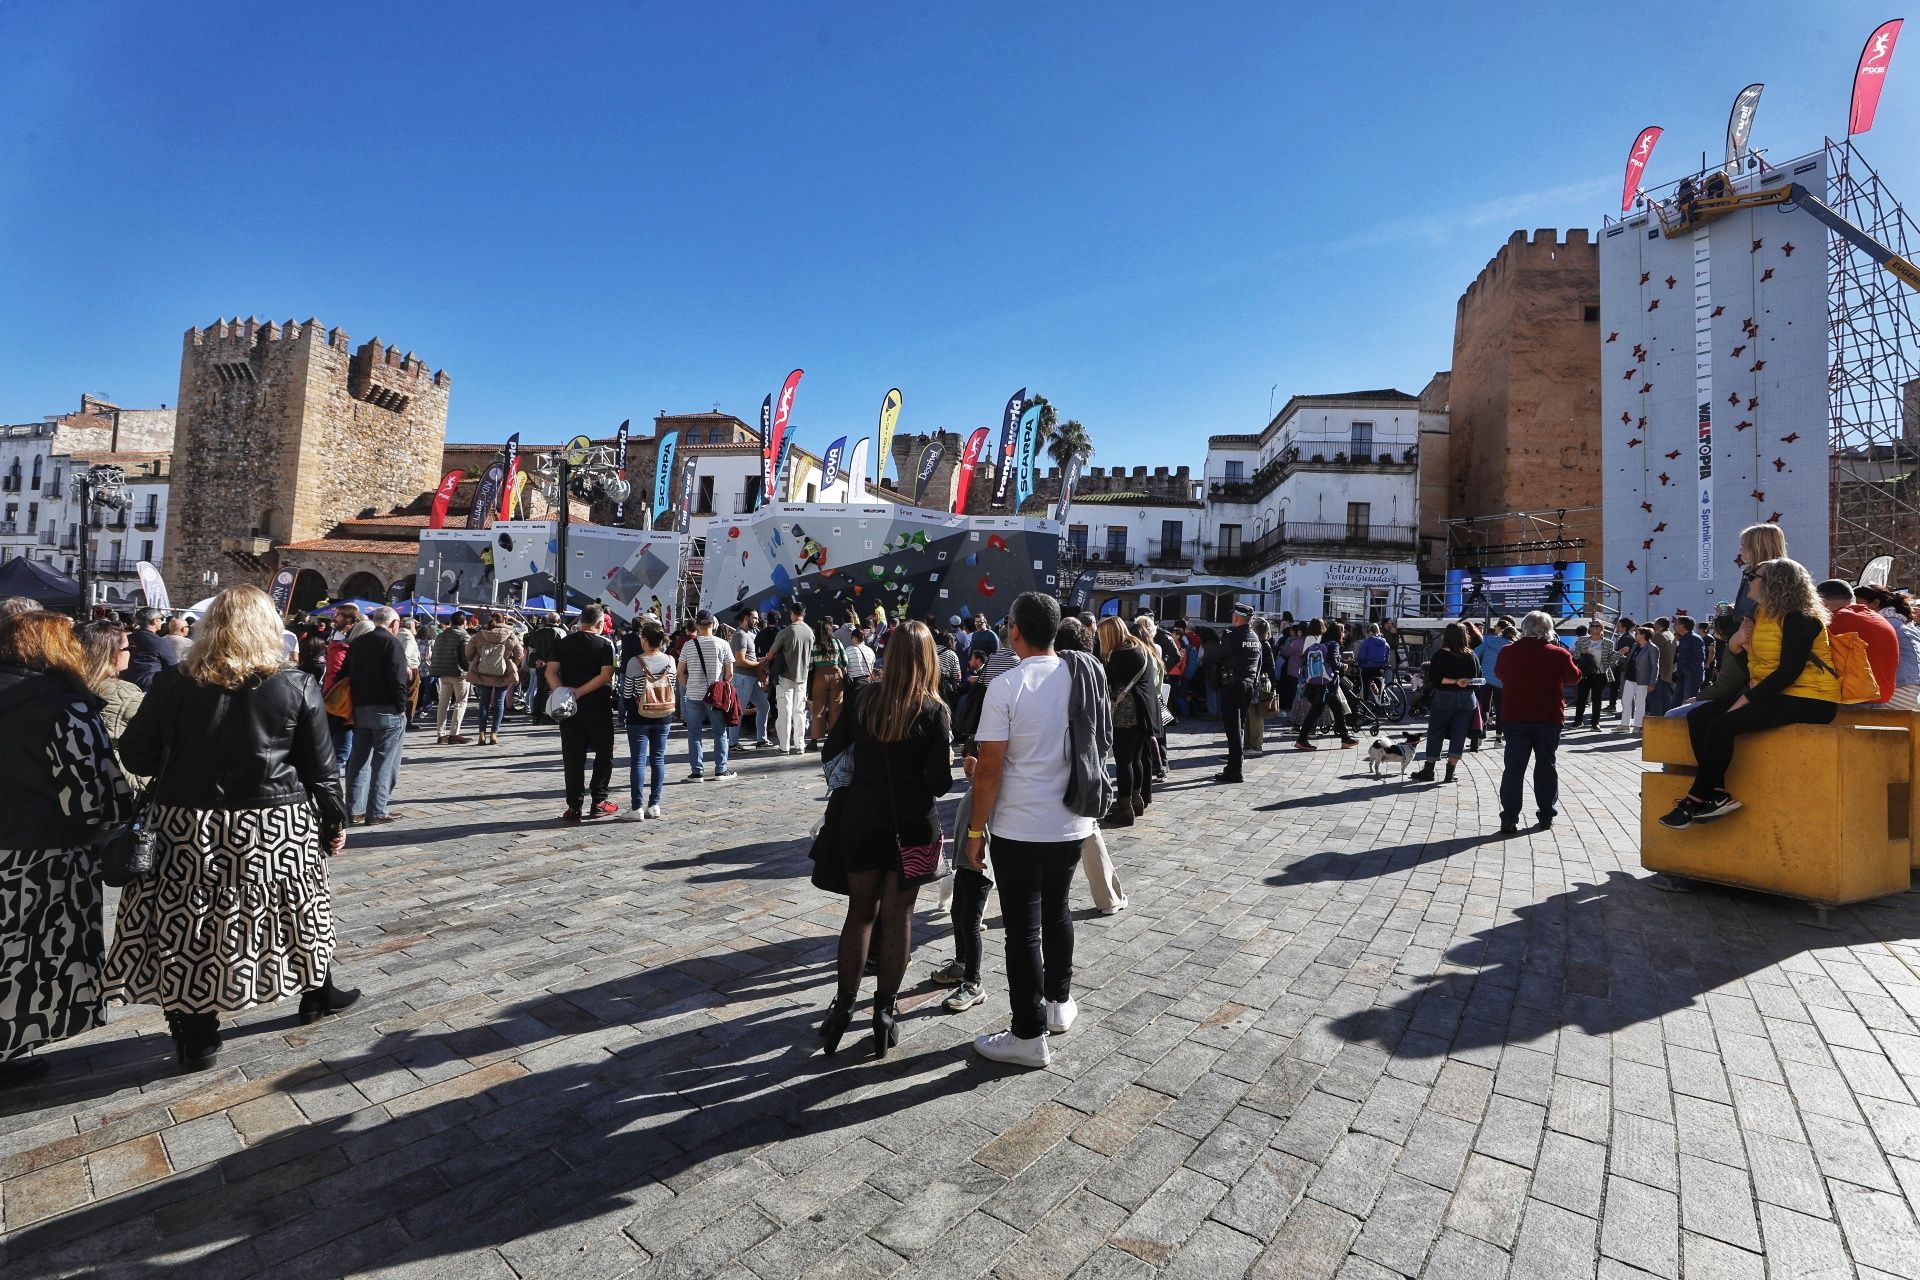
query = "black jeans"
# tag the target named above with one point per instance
(1592, 688)
(1034, 879)
(1319, 700)
(1714, 727)
(589, 729)
(969, 913)
(1233, 715)
(1536, 742)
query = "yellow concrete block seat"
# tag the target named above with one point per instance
(1824, 819)
(1910, 721)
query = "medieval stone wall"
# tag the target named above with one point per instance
(282, 432)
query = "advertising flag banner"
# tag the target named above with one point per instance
(1740, 127)
(687, 471)
(1871, 76)
(969, 460)
(513, 471)
(857, 470)
(759, 495)
(1637, 164)
(793, 475)
(1025, 447)
(485, 496)
(663, 473)
(1009, 427)
(1068, 479)
(889, 418)
(442, 497)
(620, 465)
(830, 467)
(156, 590)
(515, 492)
(782, 414)
(282, 591)
(929, 463)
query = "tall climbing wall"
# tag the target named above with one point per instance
(1713, 391)
(918, 564)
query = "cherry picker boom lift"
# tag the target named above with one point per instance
(1689, 209)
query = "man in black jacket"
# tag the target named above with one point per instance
(1239, 673)
(151, 654)
(540, 643)
(376, 672)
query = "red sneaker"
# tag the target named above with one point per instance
(572, 816)
(605, 809)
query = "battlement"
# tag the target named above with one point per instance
(228, 343)
(1545, 250)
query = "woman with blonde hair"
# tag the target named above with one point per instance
(884, 829)
(1759, 543)
(246, 801)
(1791, 681)
(59, 787)
(1130, 667)
(108, 653)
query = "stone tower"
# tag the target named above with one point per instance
(1525, 393)
(284, 431)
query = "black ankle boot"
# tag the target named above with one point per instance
(196, 1039)
(1450, 768)
(839, 1018)
(325, 999)
(1423, 774)
(885, 1033)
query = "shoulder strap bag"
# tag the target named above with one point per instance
(917, 861)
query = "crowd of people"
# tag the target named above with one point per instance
(241, 748)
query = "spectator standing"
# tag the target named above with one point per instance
(1689, 660)
(1663, 694)
(1487, 653)
(540, 643)
(176, 636)
(59, 788)
(1534, 675)
(104, 645)
(376, 672)
(1322, 664)
(862, 665)
(750, 681)
(238, 911)
(705, 660)
(1451, 673)
(1373, 656)
(151, 653)
(1642, 666)
(1129, 670)
(828, 683)
(495, 658)
(410, 646)
(582, 660)
(448, 663)
(1593, 655)
(652, 693)
(1019, 786)
(792, 659)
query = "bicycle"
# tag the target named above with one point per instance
(1386, 702)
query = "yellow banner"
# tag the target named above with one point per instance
(889, 417)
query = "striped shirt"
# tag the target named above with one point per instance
(859, 661)
(829, 653)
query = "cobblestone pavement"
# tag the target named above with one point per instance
(1343, 1030)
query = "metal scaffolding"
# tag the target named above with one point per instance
(1873, 378)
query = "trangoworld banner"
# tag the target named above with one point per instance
(1009, 425)
(628, 570)
(918, 564)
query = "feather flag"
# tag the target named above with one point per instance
(889, 418)
(512, 472)
(857, 471)
(782, 414)
(663, 473)
(1870, 76)
(929, 463)
(620, 465)
(1026, 446)
(969, 460)
(1009, 427)
(444, 496)
(830, 466)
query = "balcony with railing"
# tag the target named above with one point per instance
(1172, 555)
(1310, 536)
(147, 517)
(113, 567)
(1314, 456)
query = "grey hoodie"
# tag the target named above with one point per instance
(1090, 793)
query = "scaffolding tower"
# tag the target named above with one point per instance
(1873, 377)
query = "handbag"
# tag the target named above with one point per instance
(721, 695)
(1126, 712)
(917, 861)
(339, 699)
(829, 871)
(127, 851)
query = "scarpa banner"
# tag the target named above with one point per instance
(1637, 164)
(969, 459)
(929, 463)
(857, 471)
(663, 474)
(1009, 427)
(1024, 449)
(1069, 479)
(783, 413)
(830, 466)
(485, 496)
(620, 465)
(1870, 76)
(889, 418)
(1740, 127)
(759, 494)
(512, 471)
(442, 497)
(686, 494)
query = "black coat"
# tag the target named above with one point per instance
(376, 670)
(895, 784)
(1239, 666)
(151, 654)
(260, 746)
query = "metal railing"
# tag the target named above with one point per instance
(1172, 555)
(1246, 556)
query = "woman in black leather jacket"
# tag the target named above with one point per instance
(247, 804)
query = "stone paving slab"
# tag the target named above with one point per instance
(1343, 1030)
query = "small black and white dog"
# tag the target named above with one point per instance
(1382, 754)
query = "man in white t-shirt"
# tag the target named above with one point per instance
(1019, 790)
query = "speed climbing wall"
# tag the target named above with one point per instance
(918, 564)
(628, 570)
(1713, 394)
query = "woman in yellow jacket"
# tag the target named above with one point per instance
(1791, 681)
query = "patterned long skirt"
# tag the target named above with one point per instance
(237, 912)
(51, 947)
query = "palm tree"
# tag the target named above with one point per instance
(1043, 427)
(1070, 440)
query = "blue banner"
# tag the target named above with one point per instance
(830, 466)
(1003, 460)
(663, 474)
(1024, 447)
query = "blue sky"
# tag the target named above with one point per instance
(1152, 214)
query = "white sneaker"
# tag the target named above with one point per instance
(632, 815)
(1060, 1016)
(653, 811)
(1004, 1046)
(1115, 909)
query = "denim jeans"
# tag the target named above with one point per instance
(1034, 879)
(1536, 742)
(1449, 720)
(373, 765)
(753, 695)
(698, 716)
(646, 751)
(493, 705)
(1689, 688)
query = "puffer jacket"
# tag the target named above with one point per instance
(448, 658)
(119, 700)
(499, 633)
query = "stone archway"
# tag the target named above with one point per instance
(309, 589)
(363, 586)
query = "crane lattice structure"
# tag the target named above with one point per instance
(1873, 377)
